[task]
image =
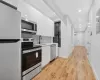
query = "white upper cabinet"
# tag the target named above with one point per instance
(45, 26)
(12, 2)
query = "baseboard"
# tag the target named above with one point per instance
(97, 78)
(49, 63)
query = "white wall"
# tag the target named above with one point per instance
(95, 46)
(65, 49)
(45, 25)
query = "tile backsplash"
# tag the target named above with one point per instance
(44, 39)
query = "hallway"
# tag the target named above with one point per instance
(76, 67)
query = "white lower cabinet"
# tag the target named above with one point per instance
(49, 52)
(45, 55)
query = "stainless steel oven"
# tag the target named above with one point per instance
(31, 60)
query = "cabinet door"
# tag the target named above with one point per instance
(45, 27)
(45, 55)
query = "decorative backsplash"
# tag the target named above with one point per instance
(44, 39)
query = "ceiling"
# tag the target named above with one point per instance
(43, 8)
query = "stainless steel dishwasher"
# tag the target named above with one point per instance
(53, 51)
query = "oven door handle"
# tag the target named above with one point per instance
(31, 50)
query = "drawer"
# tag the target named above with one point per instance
(32, 74)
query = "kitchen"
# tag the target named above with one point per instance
(26, 46)
(37, 37)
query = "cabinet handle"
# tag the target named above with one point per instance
(27, 51)
(36, 54)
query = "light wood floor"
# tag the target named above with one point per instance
(76, 67)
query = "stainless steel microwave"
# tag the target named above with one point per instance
(28, 25)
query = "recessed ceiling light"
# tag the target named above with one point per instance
(26, 15)
(79, 10)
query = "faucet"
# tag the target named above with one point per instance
(40, 37)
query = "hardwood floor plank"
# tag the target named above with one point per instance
(76, 67)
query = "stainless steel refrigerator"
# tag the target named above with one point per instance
(10, 45)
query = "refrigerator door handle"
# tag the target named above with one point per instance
(9, 40)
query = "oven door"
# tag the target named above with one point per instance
(30, 60)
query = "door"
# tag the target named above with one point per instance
(10, 20)
(30, 59)
(57, 33)
(10, 61)
(45, 55)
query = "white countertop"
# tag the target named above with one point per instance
(47, 44)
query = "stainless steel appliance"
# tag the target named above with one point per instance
(31, 60)
(28, 26)
(27, 40)
(28, 29)
(53, 52)
(31, 54)
(10, 45)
